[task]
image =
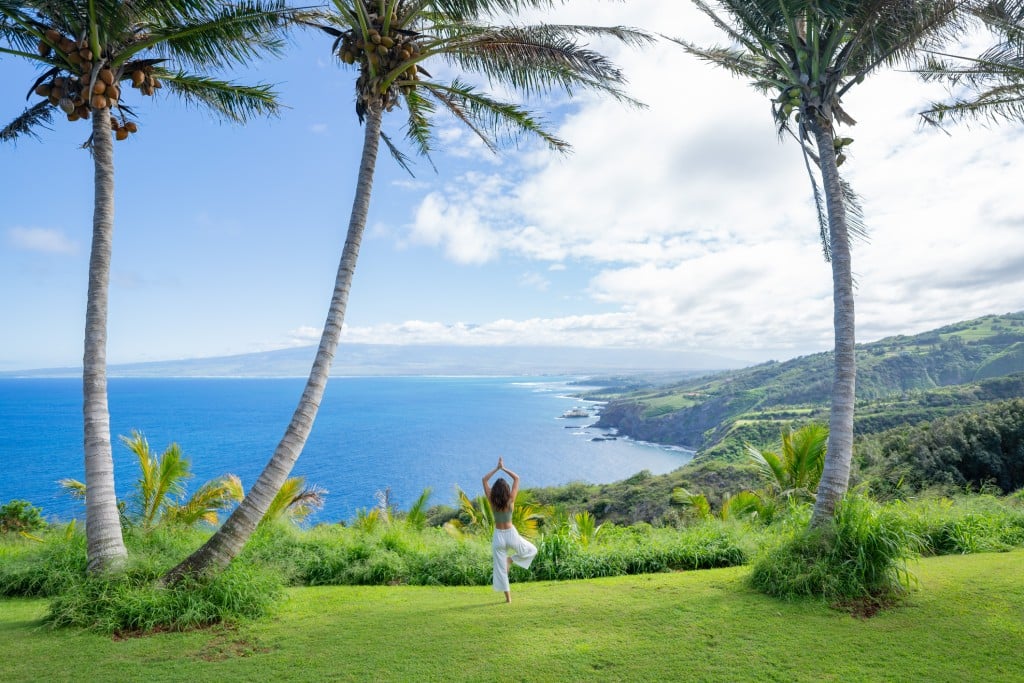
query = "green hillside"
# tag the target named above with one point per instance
(900, 380)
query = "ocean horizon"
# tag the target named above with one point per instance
(395, 434)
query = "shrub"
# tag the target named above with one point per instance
(860, 555)
(20, 516)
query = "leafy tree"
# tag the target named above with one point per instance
(994, 80)
(806, 55)
(86, 50)
(389, 43)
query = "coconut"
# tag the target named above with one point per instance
(99, 87)
(43, 49)
(73, 116)
(66, 46)
(52, 36)
(387, 41)
(114, 125)
(98, 102)
(75, 58)
(114, 92)
(131, 127)
(107, 76)
(59, 82)
(138, 77)
(121, 134)
(66, 105)
(43, 89)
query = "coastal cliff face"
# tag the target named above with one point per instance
(900, 380)
(687, 427)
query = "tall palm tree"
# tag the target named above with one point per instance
(389, 43)
(806, 55)
(994, 79)
(86, 49)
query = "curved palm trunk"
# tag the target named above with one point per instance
(229, 540)
(105, 544)
(835, 477)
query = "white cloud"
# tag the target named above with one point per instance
(304, 336)
(318, 128)
(701, 221)
(46, 240)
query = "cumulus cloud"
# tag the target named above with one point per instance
(700, 220)
(45, 240)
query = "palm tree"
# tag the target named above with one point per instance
(796, 470)
(389, 43)
(806, 55)
(86, 50)
(995, 79)
(160, 489)
(295, 501)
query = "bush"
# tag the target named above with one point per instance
(966, 524)
(20, 516)
(860, 556)
(34, 569)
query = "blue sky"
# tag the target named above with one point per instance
(687, 225)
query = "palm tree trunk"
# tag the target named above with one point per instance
(229, 540)
(835, 477)
(105, 544)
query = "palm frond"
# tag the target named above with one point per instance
(233, 33)
(39, 115)
(73, 488)
(494, 122)
(232, 101)
(416, 517)
(204, 505)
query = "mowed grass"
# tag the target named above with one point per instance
(964, 622)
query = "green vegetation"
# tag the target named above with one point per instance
(900, 380)
(706, 626)
(20, 516)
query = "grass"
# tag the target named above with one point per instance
(965, 621)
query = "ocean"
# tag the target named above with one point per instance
(372, 434)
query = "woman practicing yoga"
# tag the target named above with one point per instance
(507, 545)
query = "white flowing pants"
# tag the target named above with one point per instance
(507, 543)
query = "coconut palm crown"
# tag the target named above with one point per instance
(393, 45)
(806, 55)
(993, 82)
(87, 50)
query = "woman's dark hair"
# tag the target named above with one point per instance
(500, 495)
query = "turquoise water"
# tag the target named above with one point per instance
(402, 433)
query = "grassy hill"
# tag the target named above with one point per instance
(900, 380)
(961, 624)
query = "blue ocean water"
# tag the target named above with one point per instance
(372, 433)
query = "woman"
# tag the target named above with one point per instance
(507, 545)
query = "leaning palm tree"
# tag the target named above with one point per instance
(389, 45)
(806, 55)
(994, 80)
(86, 50)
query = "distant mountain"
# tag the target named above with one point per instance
(383, 359)
(902, 379)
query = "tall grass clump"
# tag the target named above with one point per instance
(860, 557)
(42, 566)
(134, 601)
(967, 524)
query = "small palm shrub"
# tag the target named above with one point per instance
(861, 555)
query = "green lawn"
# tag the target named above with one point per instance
(965, 622)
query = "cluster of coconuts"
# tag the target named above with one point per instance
(838, 144)
(384, 52)
(79, 93)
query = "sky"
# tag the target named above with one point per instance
(686, 225)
